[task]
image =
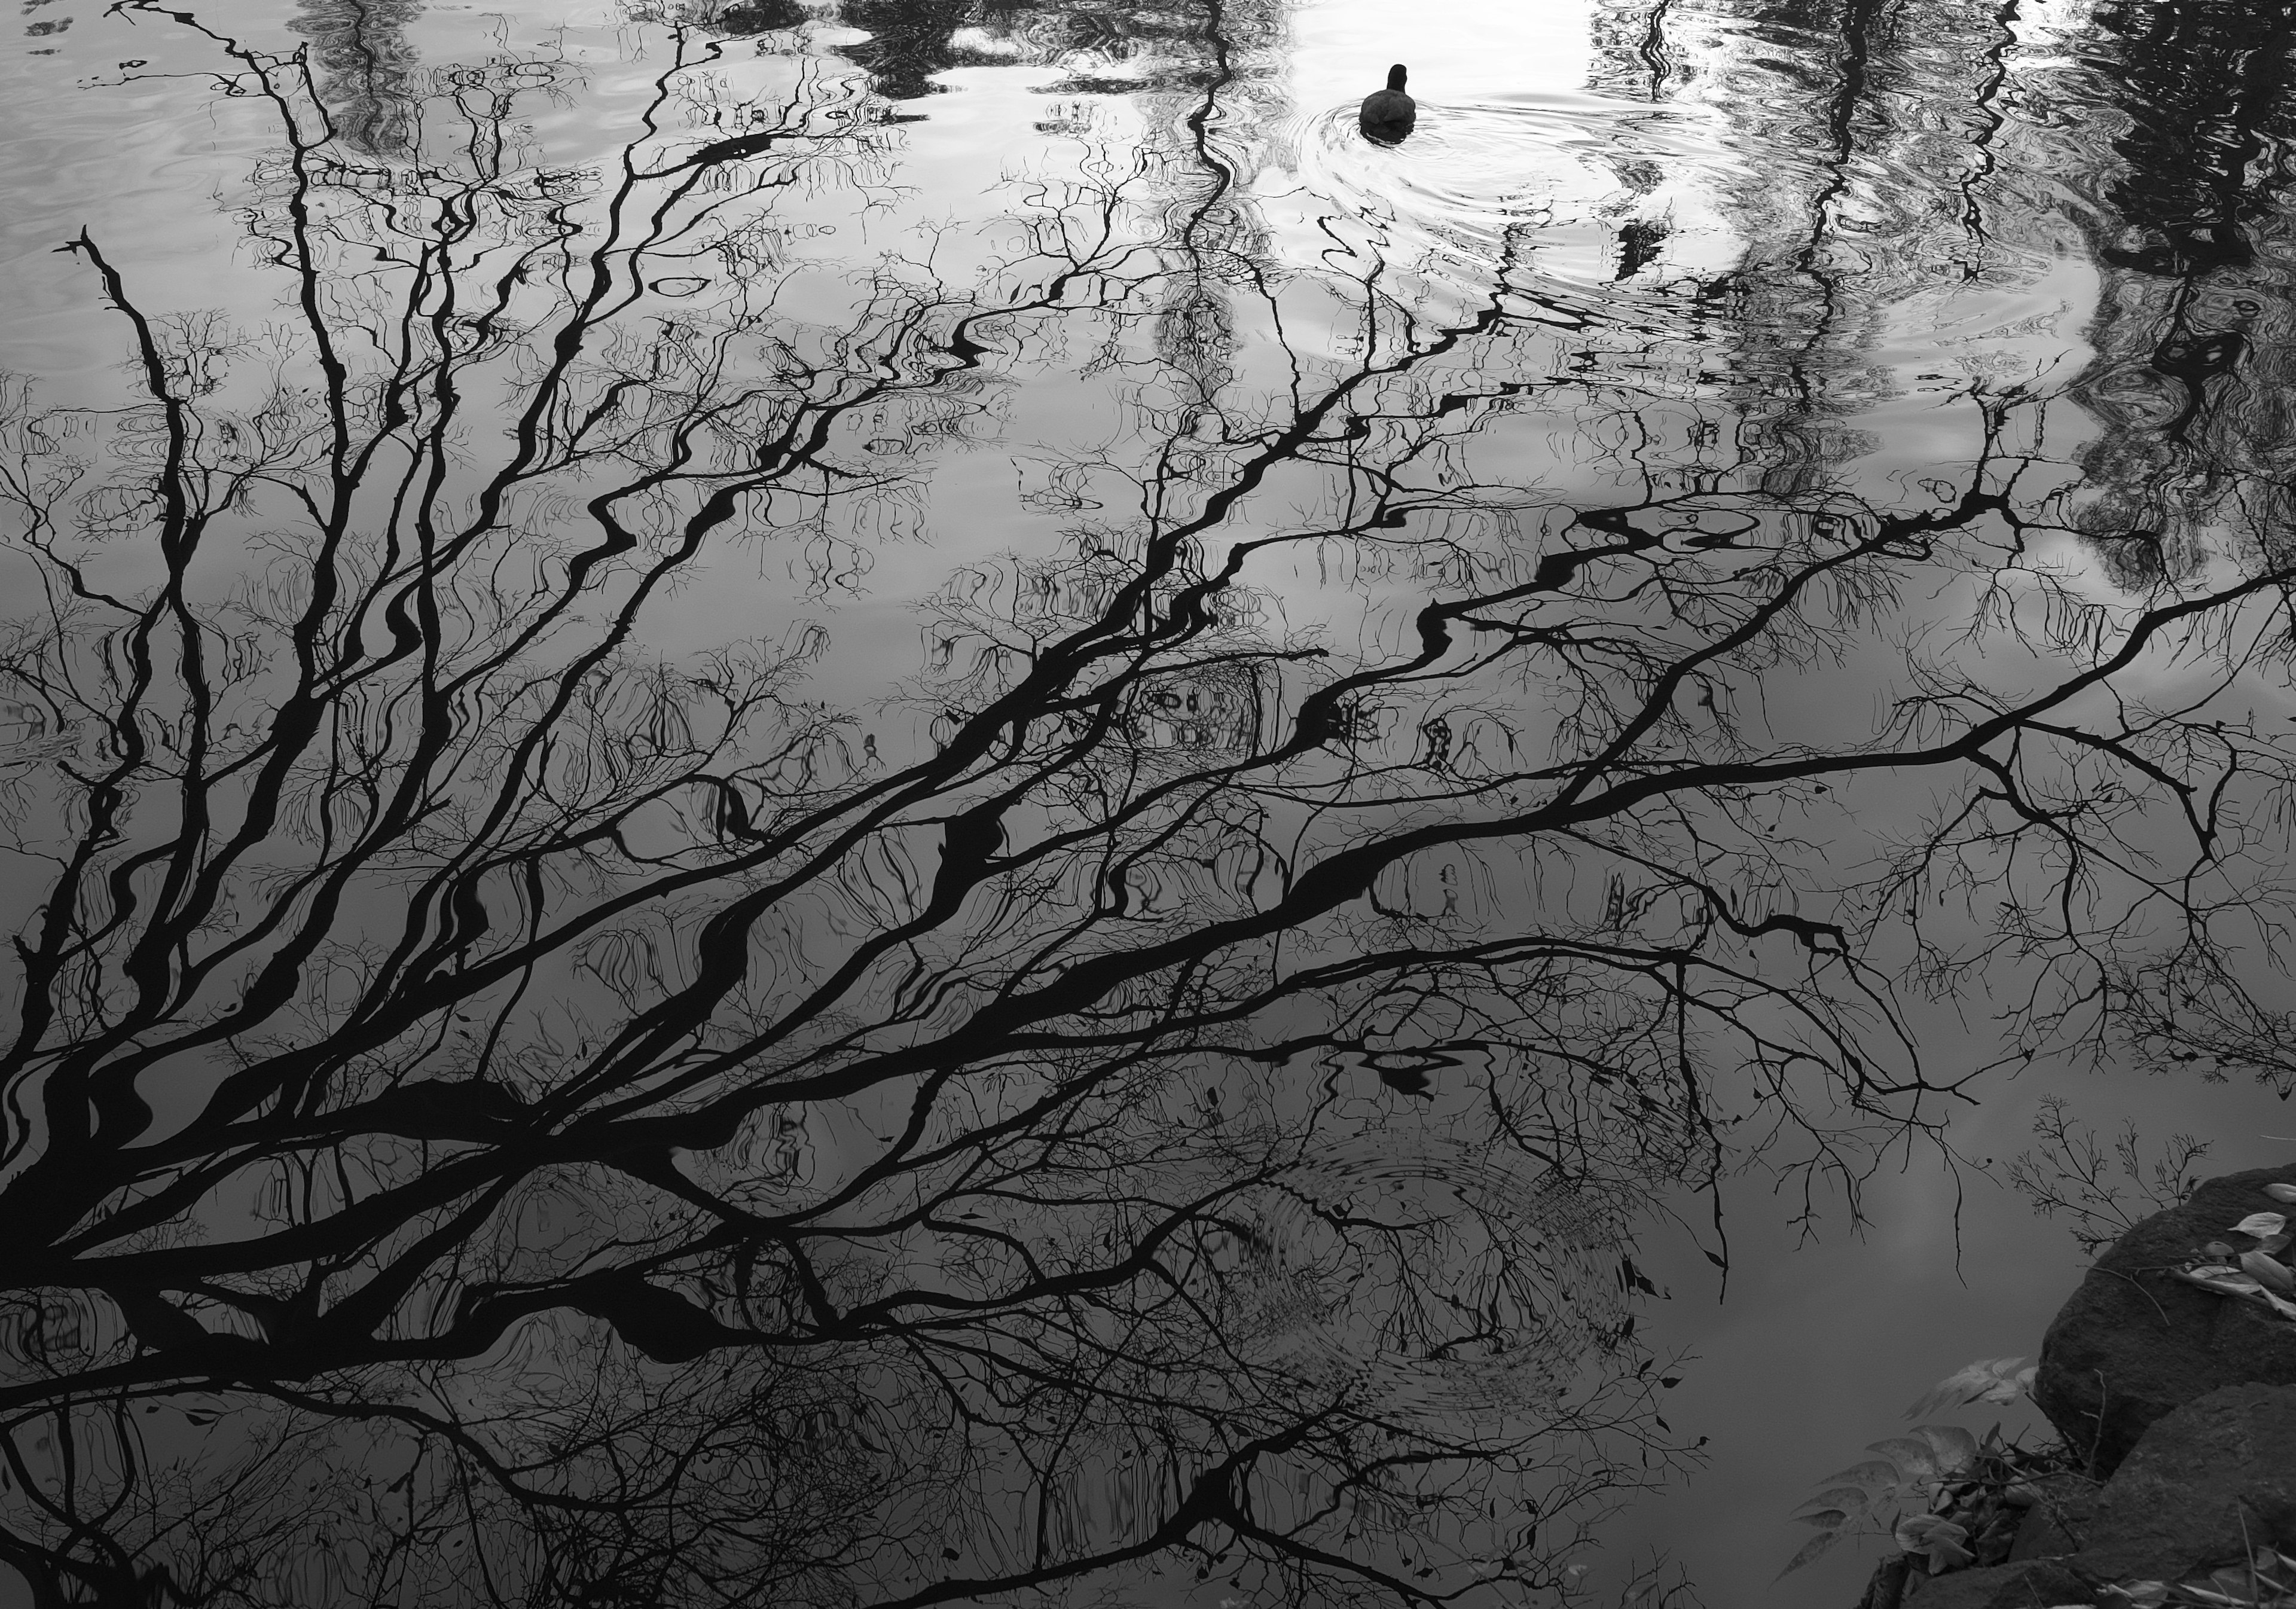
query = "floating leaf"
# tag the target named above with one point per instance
(1987, 1380)
(1938, 1539)
(1955, 1448)
(2268, 1271)
(2261, 1224)
(2281, 1192)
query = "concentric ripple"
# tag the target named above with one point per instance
(1581, 200)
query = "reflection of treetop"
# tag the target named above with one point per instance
(368, 70)
(547, 1074)
(1147, 48)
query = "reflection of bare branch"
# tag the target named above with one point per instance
(2070, 1176)
(600, 1123)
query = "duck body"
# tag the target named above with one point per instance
(1387, 114)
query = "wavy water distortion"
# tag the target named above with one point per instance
(876, 803)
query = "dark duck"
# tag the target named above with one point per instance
(1389, 114)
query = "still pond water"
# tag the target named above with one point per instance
(898, 801)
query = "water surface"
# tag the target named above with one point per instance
(893, 802)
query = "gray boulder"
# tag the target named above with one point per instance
(2133, 1345)
(2207, 1483)
(2020, 1586)
(2059, 1524)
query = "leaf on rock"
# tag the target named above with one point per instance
(2233, 1580)
(2261, 1224)
(2225, 1282)
(1937, 1539)
(2268, 1271)
(2281, 1192)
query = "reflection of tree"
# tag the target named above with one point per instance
(2206, 87)
(1924, 141)
(2191, 466)
(367, 70)
(500, 1111)
(911, 42)
(1881, 177)
(1631, 51)
(2191, 374)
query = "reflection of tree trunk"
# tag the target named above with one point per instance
(1801, 336)
(2190, 386)
(1990, 119)
(1631, 55)
(366, 70)
(2205, 85)
(909, 41)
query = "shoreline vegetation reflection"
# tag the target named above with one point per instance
(1298, 744)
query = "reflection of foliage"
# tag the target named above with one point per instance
(2071, 1174)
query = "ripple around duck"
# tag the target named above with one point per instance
(1580, 201)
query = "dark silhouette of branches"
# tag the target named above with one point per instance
(2070, 1175)
(503, 1107)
